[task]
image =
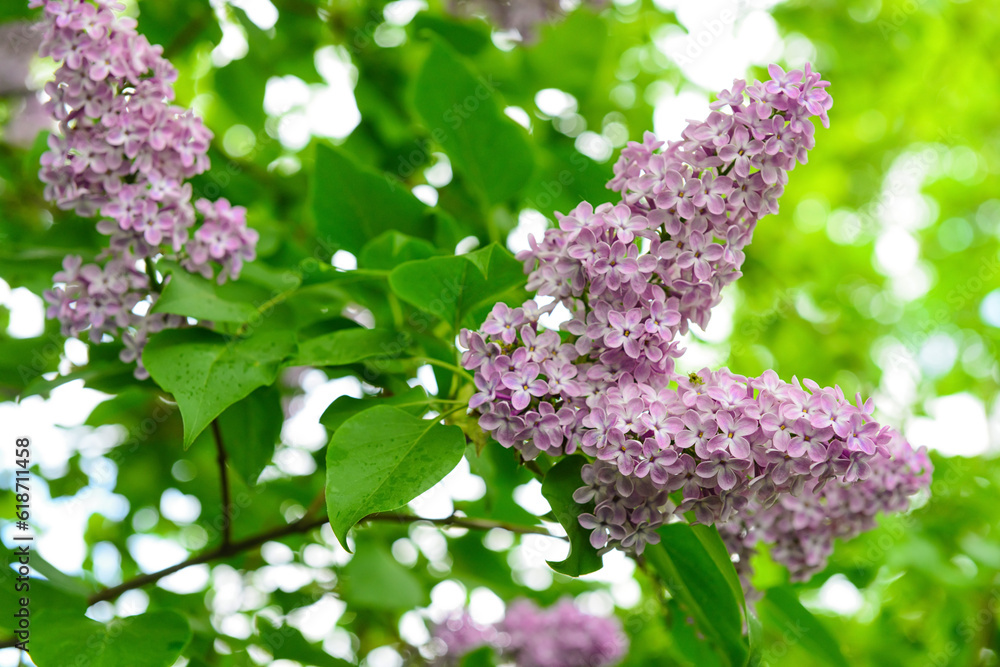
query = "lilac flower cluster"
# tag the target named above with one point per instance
(707, 191)
(124, 152)
(803, 527)
(560, 636)
(724, 443)
(633, 276)
(524, 16)
(459, 635)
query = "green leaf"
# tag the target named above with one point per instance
(564, 178)
(375, 580)
(191, 23)
(693, 576)
(288, 643)
(387, 251)
(207, 373)
(328, 293)
(462, 111)
(59, 579)
(193, 296)
(453, 287)
(346, 346)
(383, 458)
(103, 372)
(797, 624)
(466, 38)
(558, 487)
(577, 44)
(42, 594)
(16, 10)
(415, 401)
(481, 657)
(242, 87)
(251, 429)
(24, 360)
(61, 637)
(687, 642)
(712, 541)
(716, 548)
(353, 205)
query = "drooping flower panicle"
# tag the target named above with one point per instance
(803, 527)
(633, 276)
(124, 152)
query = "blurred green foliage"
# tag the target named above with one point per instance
(911, 161)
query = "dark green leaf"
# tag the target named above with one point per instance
(24, 360)
(241, 86)
(467, 39)
(687, 642)
(693, 576)
(193, 296)
(415, 401)
(178, 25)
(61, 637)
(346, 346)
(287, 643)
(104, 372)
(42, 594)
(558, 487)
(462, 111)
(798, 625)
(577, 44)
(383, 458)
(251, 429)
(716, 548)
(481, 657)
(387, 251)
(375, 580)
(207, 373)
(453, 287)
(353, 205)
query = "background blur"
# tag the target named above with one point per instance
(880, 274)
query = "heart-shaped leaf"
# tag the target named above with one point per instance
(207, 372)
(698, 581)
(558, 487)
(453, 287)
(61, 637)
(462, 111)
(383, 458)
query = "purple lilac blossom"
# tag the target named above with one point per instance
(524, 16)
(633, 277)
(694, 203)
(123, 152)
(560, 636)
(802, 528)
(458, 635)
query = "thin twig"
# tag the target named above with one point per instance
(462, 522)
(303, 525)
(227, 529)
(233, 548)
(458, 370)
(318, 503)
